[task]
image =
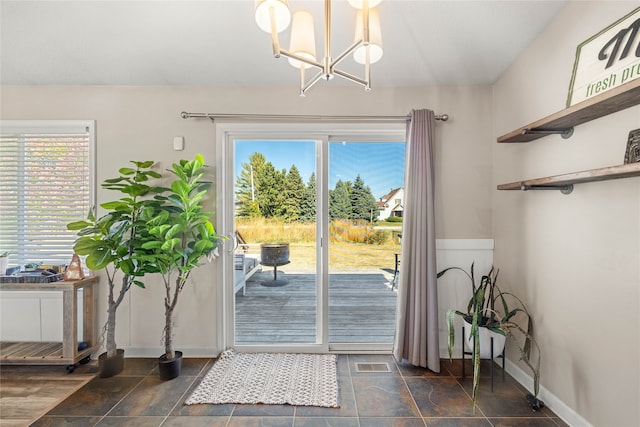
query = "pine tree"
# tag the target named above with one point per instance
(340, 201)
(270, 190)
(246, 203)
(363, 203)
(294, 191)
(308, 205)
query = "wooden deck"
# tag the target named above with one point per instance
(362, 309)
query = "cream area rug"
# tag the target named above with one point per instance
(270, 378)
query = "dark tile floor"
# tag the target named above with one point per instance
(405, 397)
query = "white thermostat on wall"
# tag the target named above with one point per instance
(178, 143)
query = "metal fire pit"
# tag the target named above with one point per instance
(274, 255)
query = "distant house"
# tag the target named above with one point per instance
(391, 204)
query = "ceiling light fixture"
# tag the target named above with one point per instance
(273, 16)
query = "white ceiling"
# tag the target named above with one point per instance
(218, 43)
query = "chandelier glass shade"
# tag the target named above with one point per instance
(281, 14)
(375, 39)
(274, 16)
(359, 4)
(303, 39)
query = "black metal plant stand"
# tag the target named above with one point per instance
(501, 355)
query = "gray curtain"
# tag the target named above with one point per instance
(416, 337)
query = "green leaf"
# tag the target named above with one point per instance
(113, 180)
(204, 246)
(141, 177)
(452, 339)
(181, 188)
(78, 225)
(179, 171)
(162, 217)
(476, 368)
(197, 198)
(137, 190)
(139, 284)
(175, 229)
(126, 171)
(170, 245)
(152, 245)
(98, 260)
(87, 245)
(115, 205)
(177, 200)
(159, 230)
(128, 267)
(144, 165)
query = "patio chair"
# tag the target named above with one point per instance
(245, 266)
(396, 270)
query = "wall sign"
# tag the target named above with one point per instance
(607, 60)
(632, 155)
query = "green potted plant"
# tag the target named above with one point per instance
(182, 236)
(113, 242)
(488, 312)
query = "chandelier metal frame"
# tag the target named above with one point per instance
(328, 65)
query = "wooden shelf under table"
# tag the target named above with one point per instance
(57, 353)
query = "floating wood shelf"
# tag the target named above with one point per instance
(565, 182)
(562, 122)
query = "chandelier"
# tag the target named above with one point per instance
(273, 16)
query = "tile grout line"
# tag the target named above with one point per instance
(173, 408)
(353, 389)
(123, 397)
(475, 406)
(198, 377)
(404, 381)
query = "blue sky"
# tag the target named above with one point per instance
(380, 164)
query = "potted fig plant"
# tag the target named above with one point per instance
(113, 242)
(182, 236)
(488, 312)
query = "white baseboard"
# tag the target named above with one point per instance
(561, 409)
(550, 400)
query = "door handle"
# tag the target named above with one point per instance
(232, 236)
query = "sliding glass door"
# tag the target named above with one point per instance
(315, 223)
(275, 263)
(366, 202)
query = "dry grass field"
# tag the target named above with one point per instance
(347, 252)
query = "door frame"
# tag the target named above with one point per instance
(228, 131)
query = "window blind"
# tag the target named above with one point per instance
(46, 182)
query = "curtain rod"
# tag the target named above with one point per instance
(212, 116)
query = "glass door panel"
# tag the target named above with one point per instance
(275, 262)
(366, 202)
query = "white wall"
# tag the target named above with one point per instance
(139, 123)
(575, 260)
